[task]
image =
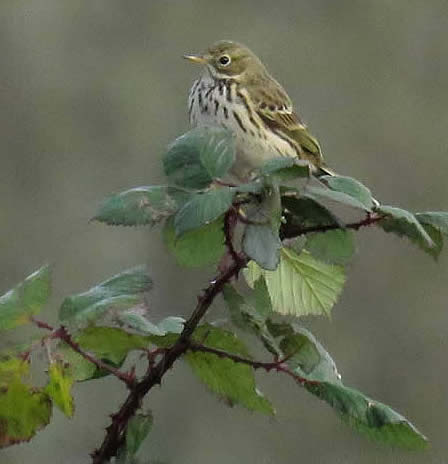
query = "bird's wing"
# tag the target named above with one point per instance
(275, 108)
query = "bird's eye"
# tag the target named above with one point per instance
(224, 60)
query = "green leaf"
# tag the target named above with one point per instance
(110, 344)
(334, 246)
(195, 158)
(171, 327)
(172, 324)
(164, 341)
(305, 355)
(217, 150)
(141, 206)
(286, 168)
(437, 238)
(271, 207)
(60, 385)
(23, 411)
(257, 304)
(25, 300)
(121, 291)
(261, 239)
(197, 248)
(241, 314)
(351, 187)
(138, 429)
(260, 298)
(136, 319)
(308, 212)
(436, 225)
(262, 245)
(437, 219)
(318, 193)
(312, 363)
(80, 368)
(233, 381)
(301, 285)
(292, 173)
(250, 313)
(251, 187)
(274, 164)
(203, 209)
(404, 223)
(372, 418)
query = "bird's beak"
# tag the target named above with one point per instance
(200, 59)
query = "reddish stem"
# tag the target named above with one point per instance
(279, 366)
(292, 231)
(115, 432)
(62, 334)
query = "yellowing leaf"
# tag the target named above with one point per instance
(13, 369)
(23, 411)
(300, 285)
(60, 385)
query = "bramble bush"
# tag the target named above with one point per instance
(281, 233)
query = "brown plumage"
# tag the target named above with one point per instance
(236, 91)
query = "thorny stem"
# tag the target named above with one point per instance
(292, 231)
(279, 366)
(115, 432)
(230, 221)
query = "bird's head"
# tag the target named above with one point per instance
(227, 59)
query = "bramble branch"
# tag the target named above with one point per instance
(62, 334)
(278, 366)
(292, 231)
(230, 221)
(115, 432)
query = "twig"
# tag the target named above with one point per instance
(42, 324)
(151, 355)
(62, 334)
(292, 231)
(230, 221)
(279, 366)
(127, 378)
(115, 432)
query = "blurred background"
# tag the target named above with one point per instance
(91, 93)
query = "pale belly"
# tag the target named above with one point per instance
(255, 144)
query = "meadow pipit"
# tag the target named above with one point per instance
(236, 91)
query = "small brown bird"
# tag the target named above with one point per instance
(236, 91)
